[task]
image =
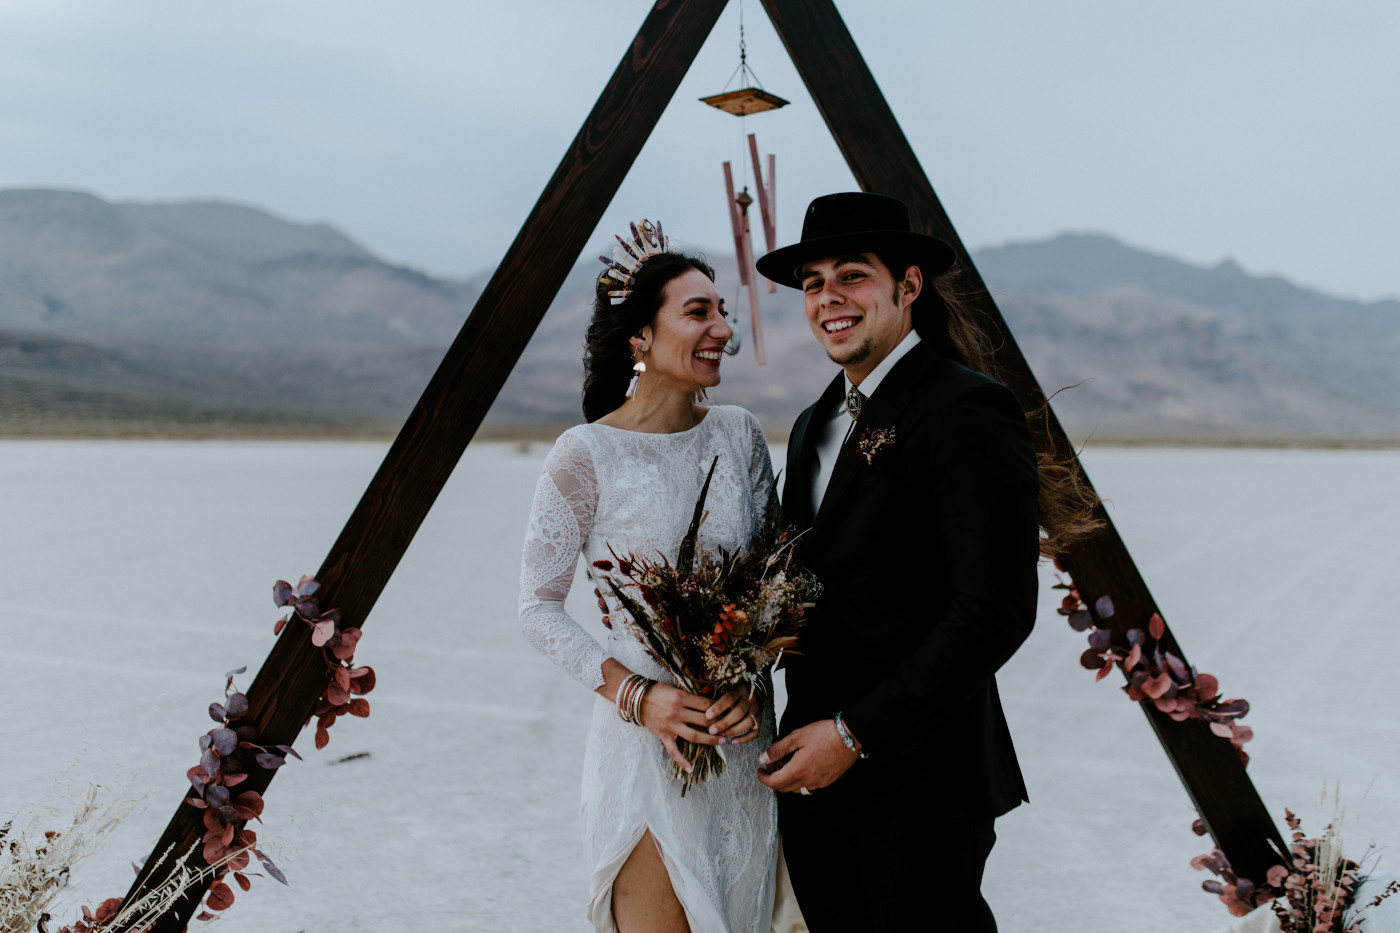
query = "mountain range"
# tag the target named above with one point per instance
(207, 317)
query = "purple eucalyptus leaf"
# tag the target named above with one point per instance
(225, 740)
(281, 593)
(241, 670)
(1079, 620)
(1212, 886)
(270, 761)
(1100, 639)
(307, 585)
(1135, 636)
(1091, 660)
(1103, 607)
(209, 762)
(287, 749)
(237, 706)
(216, 795)
(229, 814)
(206, 740)
(271, 869)
(217, 712)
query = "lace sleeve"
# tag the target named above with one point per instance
(566, 498)
(760, 463)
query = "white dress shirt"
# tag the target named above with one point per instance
(833, 435)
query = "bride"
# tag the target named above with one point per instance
(629, 478)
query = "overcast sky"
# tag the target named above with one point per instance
(1264, 130)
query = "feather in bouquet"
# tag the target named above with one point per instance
(714, 620)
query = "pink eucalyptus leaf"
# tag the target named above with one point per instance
(1157, 686)
(1241, 734)
(1103, 672)
(1277, 876)
(251, 800)
(1155, 626)
(322, 632)
(1134, 658)
(337, 695)
(342, 678)
(220, 896)
(1222, 729)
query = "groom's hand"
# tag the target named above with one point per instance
(815, 755)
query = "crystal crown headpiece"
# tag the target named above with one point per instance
(647, 241)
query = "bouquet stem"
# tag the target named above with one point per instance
(707, 761)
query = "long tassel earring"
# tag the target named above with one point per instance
(637, 369)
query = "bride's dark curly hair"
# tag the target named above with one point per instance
(607, 353)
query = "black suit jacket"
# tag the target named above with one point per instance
(928, 560)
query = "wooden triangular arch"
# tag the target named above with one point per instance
(494, 336)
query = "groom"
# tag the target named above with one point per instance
(917, 479)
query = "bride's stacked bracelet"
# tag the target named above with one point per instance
(629, 697)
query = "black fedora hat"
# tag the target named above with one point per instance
(856, 222)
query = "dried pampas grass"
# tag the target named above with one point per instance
(36, 864)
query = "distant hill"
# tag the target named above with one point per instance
(194, 313)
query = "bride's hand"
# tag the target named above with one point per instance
(669, 713)
(735, 716)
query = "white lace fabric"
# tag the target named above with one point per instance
(636, 492)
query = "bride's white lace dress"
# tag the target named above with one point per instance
(605, 486)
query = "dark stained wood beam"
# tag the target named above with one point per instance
(870, 138)
(461, 391)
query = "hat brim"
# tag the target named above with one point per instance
(930, 254)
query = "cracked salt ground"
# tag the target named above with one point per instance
(133, 574)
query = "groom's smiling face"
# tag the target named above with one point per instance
(857, 309)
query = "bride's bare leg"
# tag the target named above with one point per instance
(643, 900)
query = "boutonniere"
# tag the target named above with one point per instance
(875, 445)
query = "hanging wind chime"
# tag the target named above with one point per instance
(741, 103)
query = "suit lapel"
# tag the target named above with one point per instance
(881, 410)
(802, 453)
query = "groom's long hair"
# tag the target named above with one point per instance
(1068, 506)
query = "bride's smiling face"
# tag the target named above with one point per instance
(686, 338)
